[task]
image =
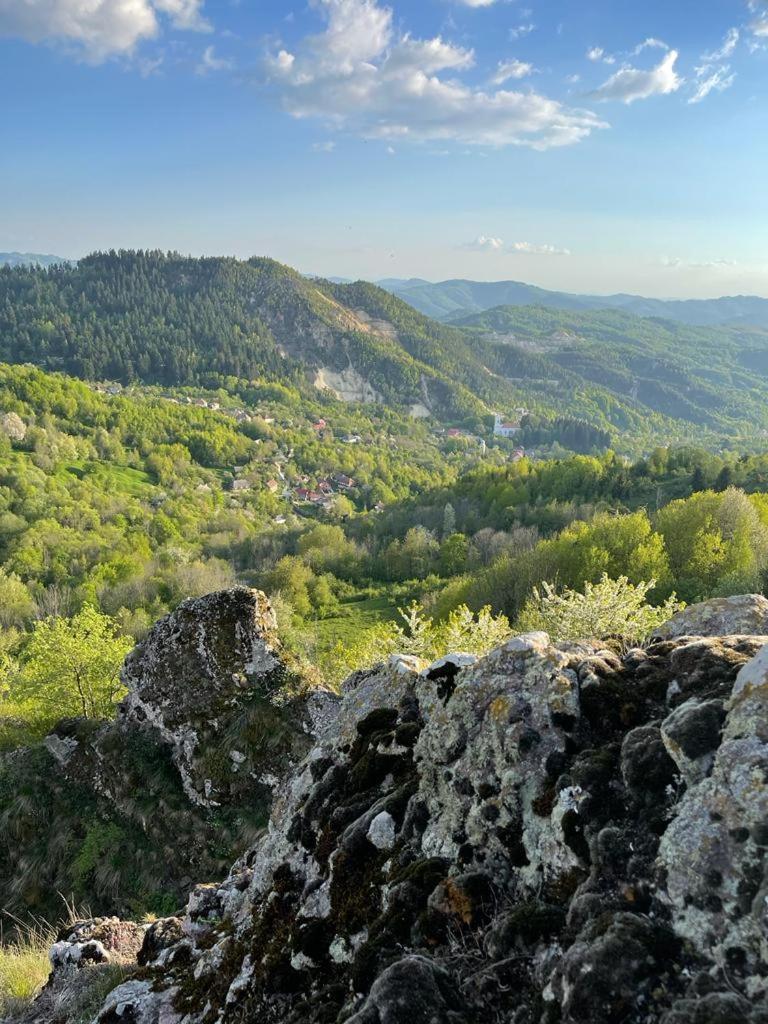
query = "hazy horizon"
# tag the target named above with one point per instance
(331, 275)
(599, 151)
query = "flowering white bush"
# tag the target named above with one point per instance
(615, 608)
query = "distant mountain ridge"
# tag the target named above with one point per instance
(30, 259)
(171, 320)
(451, 300)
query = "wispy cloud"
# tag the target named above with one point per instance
(522, 30)
(98, 29)
(597, 54)
(532, 249)
(362, 75)
(210, 62)
(714, 75)
(484, 243)
(758, 26)
(651, 43)
(711, 79)
(727, 47)
(676, 263)
(511, 69)
(630, 84)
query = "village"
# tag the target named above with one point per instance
(307, 494)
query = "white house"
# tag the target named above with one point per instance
(501, 428)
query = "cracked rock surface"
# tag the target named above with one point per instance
(549, 834)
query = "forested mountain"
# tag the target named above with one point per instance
(708, 377)
(165, 319)
(448, 300)
(30, 259)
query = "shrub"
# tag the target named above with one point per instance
(610, 608)
(68, 667)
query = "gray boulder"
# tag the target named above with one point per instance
(173, 789)
(194, 678)
(743, 615)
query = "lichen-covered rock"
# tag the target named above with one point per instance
(714, 851)
(692, 735)
(99, 940)
(413, 989)
(725, 616)
(547, 834)
(197, 667)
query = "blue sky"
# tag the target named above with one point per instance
(597, 146)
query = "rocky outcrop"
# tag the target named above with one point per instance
(126, 815)
(194, 674)
(723, 616)
(101, 940)
(549, 834)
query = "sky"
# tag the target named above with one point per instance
(597, 146)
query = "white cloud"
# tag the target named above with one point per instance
(362, 75)
(519, 31)
(729, 44)
(531, 249)
(711, 79)
(597, 53)
(488, 243)
(675, 263)
(323, 147)
(630, 84)
(713, 75)
(508, 69)
(651, 43)
(210, 62)
(96, 29)
(485, 243)
(477, 3)
(184, 14)
(759, 25)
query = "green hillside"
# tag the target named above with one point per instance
(171, 320)
(168, 320)
(714, 379)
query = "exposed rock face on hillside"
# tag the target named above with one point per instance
(550, 834)
(176, 786)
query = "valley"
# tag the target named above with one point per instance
(176, 432)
